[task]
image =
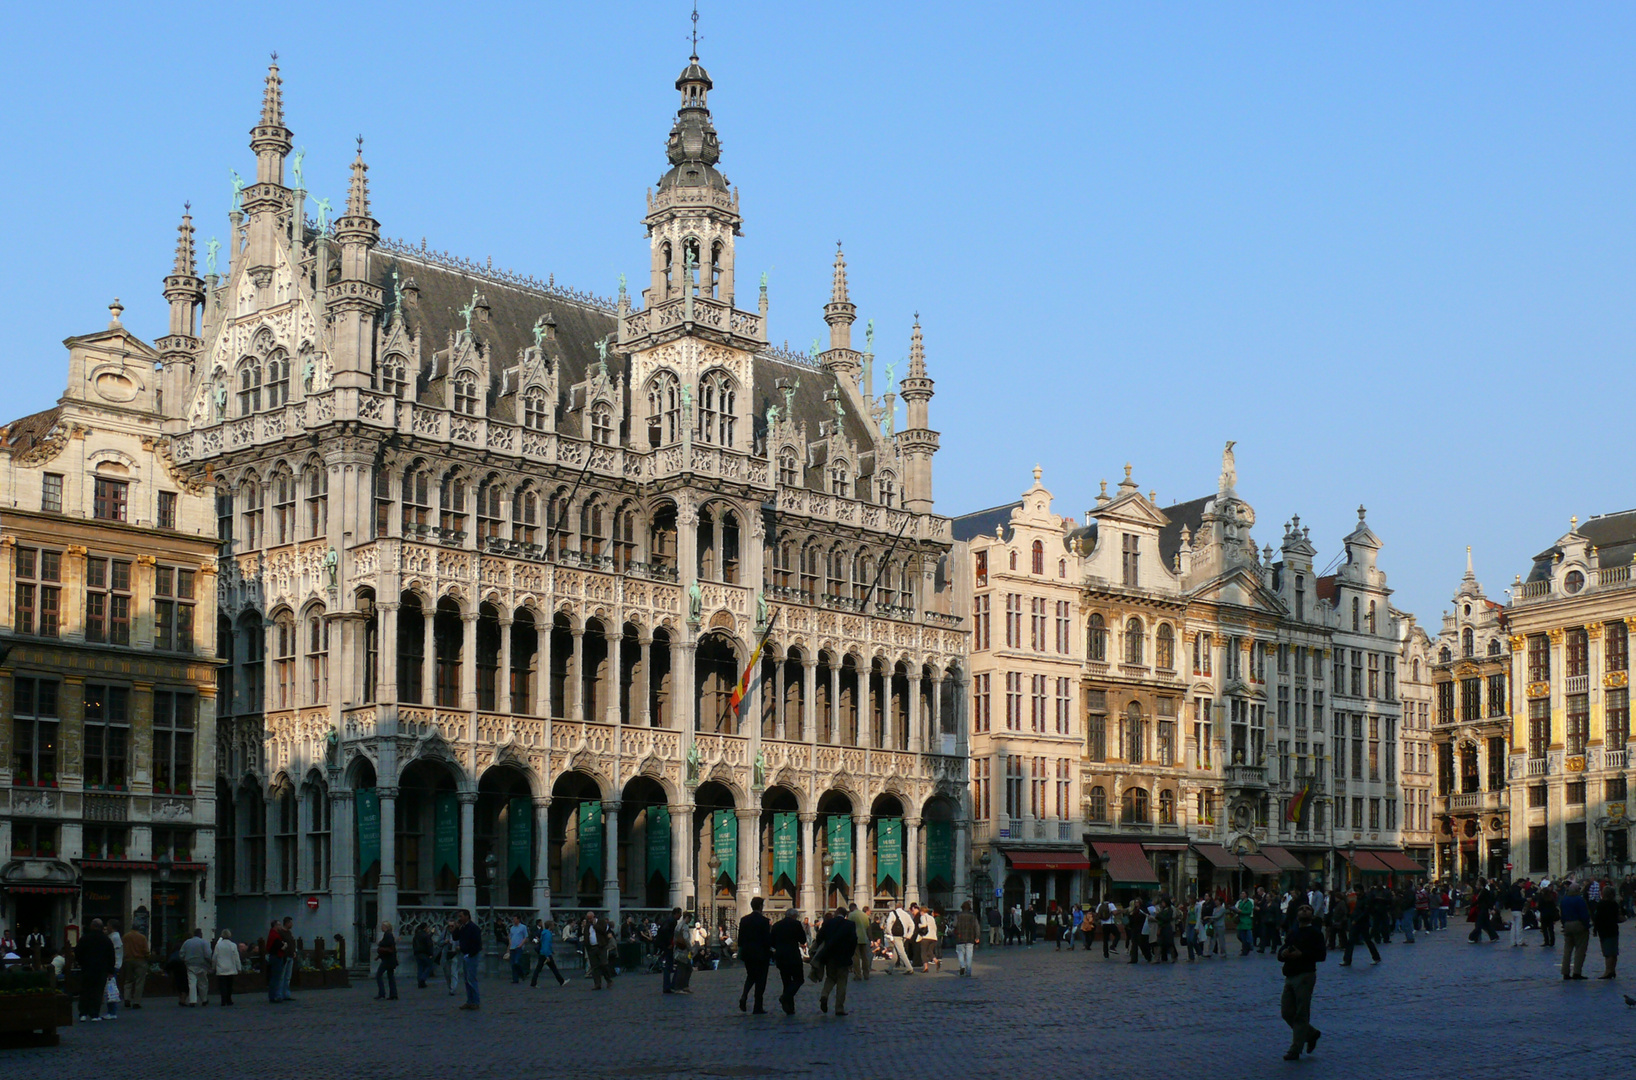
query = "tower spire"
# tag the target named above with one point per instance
(358, 302)
(179, 348)
(358, 190)
(270, 139)
(917, 443)
(917, 352)
(840, 313)
(837, 292)
(272, 98)
(185, 265)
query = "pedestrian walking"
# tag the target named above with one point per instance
(95, 956)
(196, 961)
(545, 950)
(469, 939)
(931, 942)
(286, 932)
(273, 951)
(453, 965)
(900, 927)
(1546, 899)
(755, 949)
(133, 974)
(664, 940)
(1606, 916)
(386, 965)
(422, 948)
(1360, 928)
(228, 964)
(1107, 914)
(837, 939)
(1513, 911)
(597, 934)
(1576, 931)
(966, 933)
(861, 959)
(119, 962)
(1246, 923)
(994, 929)
(1301, 954)
(788, 937)
(1481, 913)
(517, 949)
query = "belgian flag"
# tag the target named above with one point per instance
(743, 686)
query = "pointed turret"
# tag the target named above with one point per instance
(917, 442)
(355, 300)
(185, 292)
(266, 200)
(270, 139)
(840, 312)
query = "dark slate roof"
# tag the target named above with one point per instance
(1613, 535)
(26, 431)
(1189, 514)
(984, 522)
(513, 309)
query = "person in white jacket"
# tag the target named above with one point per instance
(227, 963)
(900, 924)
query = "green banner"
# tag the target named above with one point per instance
(520, 837)
(724, 826)
(659, 842)
(888, 850)
(590, 840)
(368, 803)
(786, 849)
(446, 834)
(940, 853)
(838, 833)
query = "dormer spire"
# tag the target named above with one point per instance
(840, 313)
(272, 98)
(358, 190)
(837, 291)
(917, 352)
(185, 265)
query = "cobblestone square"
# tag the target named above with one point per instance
(1440, 1007)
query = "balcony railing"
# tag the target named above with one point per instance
(1615, 759)
(1537, 766)
(1576, 684)
(1246, 775)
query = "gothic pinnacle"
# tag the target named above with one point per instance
(917, 352)
(837, 294)
(185, 265)
(358, 190)
(272, 99)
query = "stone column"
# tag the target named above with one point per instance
(645, 683)
(610, 712)
(573, 696)
(681, 853)
(541, 704)
(466, 887)
(911, 860)
(863, 881)
(388, 896)
(809, 697)
(835, 733)
(916, 737)
(780, 685)
(749, 857)
(502, 678)
(610, 853)
(934, 719)
(809, 865)
(468, 668)
(343, 873)
(428, 661)
(866, 705)
(542, 855)
(962, 861)
(386, 686)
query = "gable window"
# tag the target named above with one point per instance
(395, 377)
(110, 500)
(534, 409)
(1131, 560)
(108, 601)
(602, 424)
(51, 493)
(465, 395)
(1039, 557)
(888, 490)
(788, 473)
(840, 479)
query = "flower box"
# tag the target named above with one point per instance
(38, 1013)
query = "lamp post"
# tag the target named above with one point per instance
(715, 879)
(164, 863)
(492, 864)
(829, 880)
(983, 882)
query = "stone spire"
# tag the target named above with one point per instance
(358, 189)
(840, 312)
(185, 265)
(180, 346)
(270, 139)
(917, 442)
(356, 300)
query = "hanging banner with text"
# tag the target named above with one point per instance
(659, 843)
(888, 850)
(838, 838)
(786, 849)
(725, 829)
(369, 828)
(446, 834)
(590, 840)
(940, 853)
(520, 837)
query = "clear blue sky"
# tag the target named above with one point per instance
(1388, 248)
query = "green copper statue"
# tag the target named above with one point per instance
(295, 167)
(890, 368)
(789, 397)
(772, 416)
(212, 246)
(539, 332)
(764, 281)
(397, 295)
(324, 207)
(466, 312)
(869, 339)
(687, 404)
(621, 284)
(238, 187)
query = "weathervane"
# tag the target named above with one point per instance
(695, 29)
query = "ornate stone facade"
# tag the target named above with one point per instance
(499, 551)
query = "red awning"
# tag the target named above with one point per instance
(1259, 864)
(1396, 860)
(117, 864)
(1366, 862)
(1282, 857)
(1217, 856)
(44, 890)
(1046, 860)
(1125, 864)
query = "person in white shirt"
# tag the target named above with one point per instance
(931, 951)
(228, 963)
(900, 924)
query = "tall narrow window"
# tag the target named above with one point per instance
(525, 517)
(107, 736)
(317, 658)
(664, 409)
(1131, 561)
(284, 663)
(1164, 648)
(51, 493)
(173, 603)
(1539, 658)
(165, 517)
(249, 387)
(173, 729)
(283, 531)
(417, 501)
(317, 500)
(1133, 641)
(452, 505)
(108, 601)
(1618, 646)
(1039, 557)
(110, 499)
(278, 380)
(490, 508)
(602, 424)
(35, 718)
(1579, 649)
(1096, 638)
(250, 499)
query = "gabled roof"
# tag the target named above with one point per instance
(27, 431)
(1613, 536)
(1188, 514)
(984, 522)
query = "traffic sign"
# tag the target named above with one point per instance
(312, 903)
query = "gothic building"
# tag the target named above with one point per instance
(495, 555)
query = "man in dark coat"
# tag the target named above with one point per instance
(95, 957)
(834, 945)
(786, 938)
(1302, 952)
(664, 941)
(755, 947)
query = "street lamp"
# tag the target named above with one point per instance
(492, 864)
(715, 890)
(164, 863)
(829, 878)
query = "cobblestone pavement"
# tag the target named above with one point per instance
(1440, 1007)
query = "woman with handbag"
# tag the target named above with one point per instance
(386, 970)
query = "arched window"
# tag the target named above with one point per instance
(840, 479)
(664, 406)
(1443, 656)
(591, 536)
(318, 830)
(668, 258)
(534, 409)
(1164, 647)
(1096, 638)
(1355, 614)
(624, 537)
(317, 499)
(465, 394)
(718, 395)
(789, 474)
(278, 380)
(1371, 616)
(602, 424)
(284, 661)
(1417, 669)
(1167, 807)
(810, 557)
(249, 386)
(394, 380)
(1013, 561)
(283, 531)
(1099, 803)
(1039, 557)
(490, 509)
(1133, 641)
(888, 489)
(250, 516)
(452, 503)
(1062, 568)
(525, 516)
(1135, 805)
(1135, 734)
(1494, 643)
(417, 500)
(1467, 642)
(715, 270)
(317, 658)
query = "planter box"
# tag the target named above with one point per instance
(36, 1014)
